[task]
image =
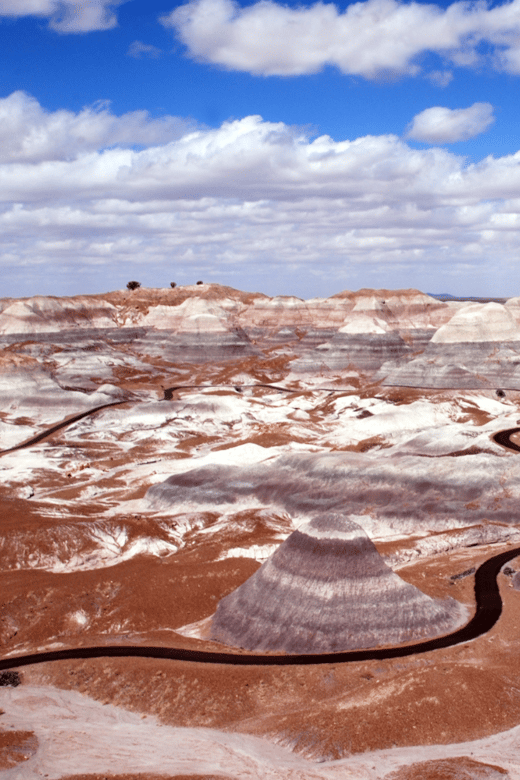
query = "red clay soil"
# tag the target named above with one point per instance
(141, 776)
(463, 768)
(144, 297)
(38, 606)
(336, 709)
(16, 747)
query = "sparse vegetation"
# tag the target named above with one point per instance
(9, 679)
(200, 282)
(133, 285)
(173, 284)
(463, 574)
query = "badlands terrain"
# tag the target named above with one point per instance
(160, 445)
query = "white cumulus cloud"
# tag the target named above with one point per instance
(31, 134)
(439, 125)
(67, 16)
(369, 38)
(250, 198)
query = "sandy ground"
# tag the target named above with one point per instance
(78, 735)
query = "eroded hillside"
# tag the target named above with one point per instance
(201, 427)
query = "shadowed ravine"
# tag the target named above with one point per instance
(487, 612)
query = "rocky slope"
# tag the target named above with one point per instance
(327, 589)
(401, 337)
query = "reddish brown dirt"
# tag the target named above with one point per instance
(366, 444)
(16, 747)
(136, 597)
(140, 776)
(332, 710)
(144, 297)
(463, 768)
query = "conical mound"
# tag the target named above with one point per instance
(327, 589)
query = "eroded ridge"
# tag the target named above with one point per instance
(327, 589)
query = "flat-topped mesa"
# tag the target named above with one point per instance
(327, 589)
(217, 308)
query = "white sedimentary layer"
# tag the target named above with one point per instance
(29, 391)
(13, 434)
(259, 552)
(73, 730)
(347, 531)
(77, 367)
(364, 324)
(479, 322)
(50, 315)
(283, 311)
(193, 315)
(80, 547)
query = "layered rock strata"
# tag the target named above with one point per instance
(365, 351)
(464, 365)
(327, 589)
(398, 337)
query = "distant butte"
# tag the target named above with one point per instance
(326, 589)
(395, 337)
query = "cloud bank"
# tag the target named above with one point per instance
(29, 133)
(438, 125)
(369, 38)
(66, 16)
(248, 198)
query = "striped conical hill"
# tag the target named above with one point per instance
(327, 589)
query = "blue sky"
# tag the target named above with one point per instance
(287, 148)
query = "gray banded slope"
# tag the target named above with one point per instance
(327, 589)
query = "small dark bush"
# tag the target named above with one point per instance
(500, 393)
(133, 285)
(11, 679)
(463, 574)
(173, 284)
(200, 282)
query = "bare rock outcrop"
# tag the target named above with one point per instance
(367, 351)
(47, 314)
(398, 337)
(464, 365)
(327, 589)
(479, 323)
